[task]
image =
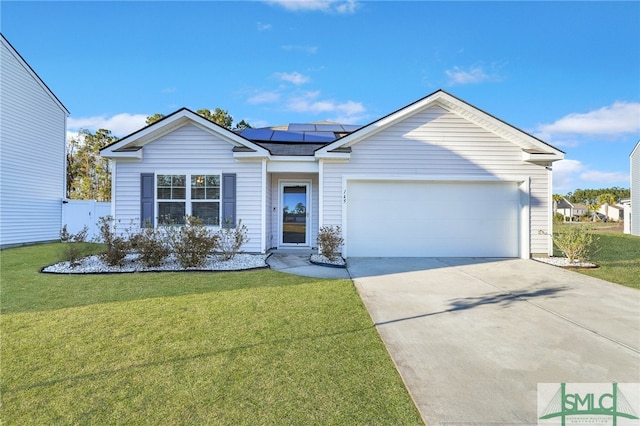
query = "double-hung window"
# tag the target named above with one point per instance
(195, 195)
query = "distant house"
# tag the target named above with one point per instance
(571, 211)
(612, 212)
(378, 182)
(33, 125)
(635, 189)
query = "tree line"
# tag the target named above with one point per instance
(594, 196)
(89, 175)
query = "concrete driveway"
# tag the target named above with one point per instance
(472, 338)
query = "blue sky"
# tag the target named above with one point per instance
(567, 72)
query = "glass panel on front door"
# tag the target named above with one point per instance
(294, 215)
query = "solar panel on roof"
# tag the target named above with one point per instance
(302, 127)
(329, 128)
(319, 137)
(282, 136)
(257, 134)
(351, 127)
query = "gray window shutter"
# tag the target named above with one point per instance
(146, 199)
(229, 199)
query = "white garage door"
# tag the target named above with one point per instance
(411, 219)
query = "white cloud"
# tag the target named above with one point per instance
(610, 121)
(293, 77)
(326, 6)
(565, 174)
(263, 27)
(310, 102)
(472, 75)
(264, 98)
(569, 175)
(604, 177)
(119, 124)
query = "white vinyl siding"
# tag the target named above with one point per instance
(635, 190)
(32, 155)
(436, 143)
(191, 150)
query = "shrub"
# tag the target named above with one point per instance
(117, 246)
(192, 243)
(230, 240)
(329, 241)
(75, 245)
(80, 237)
(576, 242)
(151, 246)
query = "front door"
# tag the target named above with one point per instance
(294, 219)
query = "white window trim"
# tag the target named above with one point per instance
(308, 183)
(188, 201)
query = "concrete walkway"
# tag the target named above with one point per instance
(472, 338)
(297, 262)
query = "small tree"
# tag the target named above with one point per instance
(151, 246)
(117, 246)
(577, 242)
(329, 241)
(75, 245)
(232, 239)
(192, 243)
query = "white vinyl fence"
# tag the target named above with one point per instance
(79, 213)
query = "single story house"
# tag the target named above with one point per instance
(33, 127)
(570, 210)
(612, 212)
(384, 183)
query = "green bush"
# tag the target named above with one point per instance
(230, 240)
(329, 241)
(75, 246)
(151, 245)
(576, 242)
(117, 246)
(192, 243)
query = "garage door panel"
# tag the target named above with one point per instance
(432, 219)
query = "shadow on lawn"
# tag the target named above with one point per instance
(182, 359)
(501, 299)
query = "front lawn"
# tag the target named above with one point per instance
(618, 257)
(255, 347)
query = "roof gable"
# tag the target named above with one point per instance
(533, 148)
(130, 146)
(33, 74)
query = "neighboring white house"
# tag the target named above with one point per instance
(612, 212)
(384, 183)
(571, 211)
(635, 189)
(32, 153)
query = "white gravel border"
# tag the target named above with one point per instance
(319, 259)
(94, 265)
(563, 262)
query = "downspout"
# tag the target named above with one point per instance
(550, 210)
(263, 214)
(320, 193)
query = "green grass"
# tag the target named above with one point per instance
(618, 257)
(254, 347)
